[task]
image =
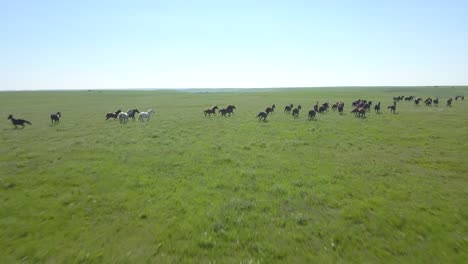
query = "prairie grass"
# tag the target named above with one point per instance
(188, 188)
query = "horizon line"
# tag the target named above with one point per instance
(233, 88)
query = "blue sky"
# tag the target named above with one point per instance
(231, 44)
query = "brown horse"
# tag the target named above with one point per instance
(359, 112)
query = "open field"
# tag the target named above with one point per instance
(189, 188)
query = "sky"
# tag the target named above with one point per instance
(113, 44)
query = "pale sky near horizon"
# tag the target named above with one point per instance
(231, 44)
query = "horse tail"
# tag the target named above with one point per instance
(27, 122)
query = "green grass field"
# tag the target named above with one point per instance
(189, 188)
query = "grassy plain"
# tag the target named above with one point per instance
(189, 188)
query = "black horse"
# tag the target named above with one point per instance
(230, 109)
(449, 101)
(377, 107)
(295, 112)
(288, 108)
(211, 110)
(428, 101)
(316, 107)
(262, 116)
(392, 107)
(113, 114)
(131, 113)
(322, 109)
(18, 122)
(341, 108)
(55, 118)
(270, 110)
(223, 112)
(312, 114)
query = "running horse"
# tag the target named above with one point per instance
(113, 114)
(211, 110)
(230, 109)
(271, 109)
(146, 115)
(262, 116)
(18, 122)
(131, 113)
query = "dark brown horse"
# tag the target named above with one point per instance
(113, 114)
(359, 112)
(18, 122)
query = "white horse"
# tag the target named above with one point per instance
(146, 115)
(123, 117)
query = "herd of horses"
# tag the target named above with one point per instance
(124, 116)
(121, 116)
(224, 112)
(360, 108)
